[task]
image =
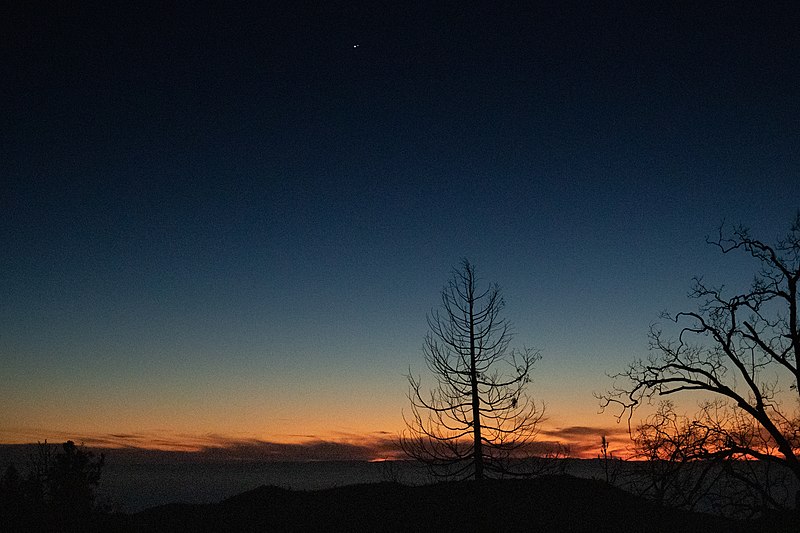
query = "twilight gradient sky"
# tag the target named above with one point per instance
(228, 226)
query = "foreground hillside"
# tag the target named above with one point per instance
(552, 503)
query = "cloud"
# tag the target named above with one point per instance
(311, 450)
(159, 446)
(582, 432)
(581, 441)
(584, 441)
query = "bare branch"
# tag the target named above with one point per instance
(742, 351)
(477, 417)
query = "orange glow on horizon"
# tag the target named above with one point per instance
(582, 442)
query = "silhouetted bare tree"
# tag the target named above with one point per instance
(666, 445)
(741, 353)
(478, 415)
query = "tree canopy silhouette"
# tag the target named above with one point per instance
(478, 415)
(58, 493)
(741, 353)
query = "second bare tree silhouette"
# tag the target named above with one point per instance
(739, 356)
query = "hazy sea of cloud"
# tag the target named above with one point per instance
(131, 487)
(133, 480)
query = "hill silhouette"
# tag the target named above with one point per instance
(548, 503)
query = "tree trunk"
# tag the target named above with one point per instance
(476, 405)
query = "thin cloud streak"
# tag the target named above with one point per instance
(584, 441)
(211, 447)
(581, 441)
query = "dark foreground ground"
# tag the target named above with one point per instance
(551, 503)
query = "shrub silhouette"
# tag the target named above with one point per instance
(71, 482)
(56, 495)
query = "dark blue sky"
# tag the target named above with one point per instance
(250, 212)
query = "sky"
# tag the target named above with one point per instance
(225, 228)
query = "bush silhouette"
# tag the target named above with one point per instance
(56, 495)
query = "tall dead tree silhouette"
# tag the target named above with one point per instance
(478, 416)
(740, 352)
